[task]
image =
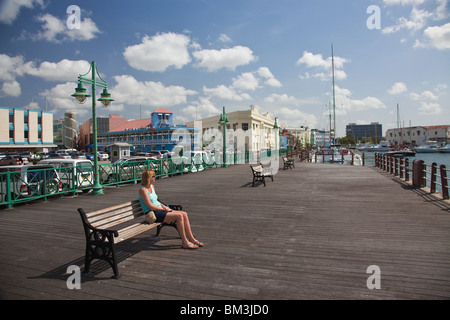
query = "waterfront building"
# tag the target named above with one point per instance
(418, 135)
(321, 138)
(25, 130)
(65, 132)
(145, 135)
(85, 136)
(303, 136)
(373, 131)
(257, 130)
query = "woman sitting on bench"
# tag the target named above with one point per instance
(149, 202)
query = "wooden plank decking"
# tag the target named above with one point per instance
(310, 234)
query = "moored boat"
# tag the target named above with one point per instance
(427, 148)
(402, 153)
(445, 149)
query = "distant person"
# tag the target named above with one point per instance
(149, 202)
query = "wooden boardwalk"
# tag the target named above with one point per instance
(310, 234)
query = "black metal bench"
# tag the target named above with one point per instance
(260, 173)
(101, 233)
(288, 163)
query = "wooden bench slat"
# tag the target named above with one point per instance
(111, 223)
(116, 215)
(119, 206)
(134, 230)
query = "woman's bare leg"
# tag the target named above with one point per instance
(183, 226)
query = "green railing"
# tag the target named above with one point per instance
(33, 184)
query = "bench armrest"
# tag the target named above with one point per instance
(90, 230)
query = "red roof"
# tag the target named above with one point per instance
(436, 127)
(133, 124)
(161, 110)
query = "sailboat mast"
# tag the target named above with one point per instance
(329, 113)
(334, 97)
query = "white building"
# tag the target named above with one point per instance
(415, 136)
(22, 129)
(247, 130)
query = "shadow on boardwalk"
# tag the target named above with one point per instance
(310, 234)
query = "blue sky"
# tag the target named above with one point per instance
(195, 56)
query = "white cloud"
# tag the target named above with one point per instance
(224, 92)
(224, 38)
(231, 58)
(397, 88)
(59, 99)
(427, 100)
(345, 104)
(55, 30)
(295, 118)
(402, 2)
(317, 61)
(159, 52)
(9, 10)
(148, 93)
(436, 37)
(417, 21)
(246, 82)
(64, 70)
(284, 99)
(11, 88)
(430, 108)
(202, 108)
(86, 32)
(424, 96)
(271, 81)
(10, 67)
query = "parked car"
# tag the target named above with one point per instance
(29, 181)
(73, 172)
(13, 159)
(78, 155)
(166, 153)
(156, 153)
(145, 154)
(100, 156)
(126, 169)
(63, 155)
(103, 156)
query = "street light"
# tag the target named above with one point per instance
(224, 122)
(80, 95)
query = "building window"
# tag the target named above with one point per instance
(245, 126)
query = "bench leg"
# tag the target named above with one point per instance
(172, 224)
(102, 250)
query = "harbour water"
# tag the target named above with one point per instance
(429, 158)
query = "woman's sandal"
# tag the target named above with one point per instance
(198, 243)
(189, 245)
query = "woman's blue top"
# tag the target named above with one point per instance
(153, 199)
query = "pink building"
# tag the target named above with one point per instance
(103, 125)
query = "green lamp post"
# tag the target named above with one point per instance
(224, 122)
(80, 95)
(276, 129)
